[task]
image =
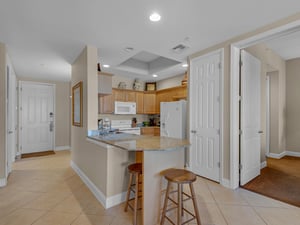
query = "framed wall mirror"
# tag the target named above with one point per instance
(77, 105)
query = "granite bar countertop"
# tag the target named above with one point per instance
(132, 142)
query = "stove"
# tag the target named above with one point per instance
(125, 127)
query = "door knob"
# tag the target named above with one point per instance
(10, 132)
(260, 132)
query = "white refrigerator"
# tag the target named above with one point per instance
(173, 119)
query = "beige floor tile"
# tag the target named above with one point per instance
(279, 216)
(255, 199)
(226, 196)
(240, 215)
(46, 201)
(56, 218)
(93, 220)
(69, 205)
(22, 217)
(13, 201)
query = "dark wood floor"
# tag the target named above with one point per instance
(279, 180)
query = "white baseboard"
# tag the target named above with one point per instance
(275, 155)
(226, 183)
(282, 154)
(263, 165)
(3, 182)
(106, 202)
(295, 154)
(61, 148)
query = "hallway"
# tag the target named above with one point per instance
(46, 191)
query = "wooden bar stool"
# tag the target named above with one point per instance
(135, 170)
(180, 177)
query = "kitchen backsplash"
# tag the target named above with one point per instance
(139, 118)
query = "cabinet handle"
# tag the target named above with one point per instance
(193, 131)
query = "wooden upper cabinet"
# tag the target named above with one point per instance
(106, 104)
(150, 103)
(170, 94)
(124, 95)
(139, 102)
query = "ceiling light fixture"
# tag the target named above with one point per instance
(154, 17)
(154, 75)
(129, 49)
(185, 65)
(106, 66)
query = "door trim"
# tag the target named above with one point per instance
(234, 93)
(220, 51)
(20, 113)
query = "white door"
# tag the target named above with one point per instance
(11, 118)
(37, 117)
(250, 118)
(204, 95)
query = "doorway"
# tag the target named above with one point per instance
(36, 117)
(235, 84)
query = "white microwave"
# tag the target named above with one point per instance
(125, 107)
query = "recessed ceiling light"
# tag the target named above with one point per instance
(106, 66)
(154, 75)
(129, 49)
(185, 65)
(154, 17)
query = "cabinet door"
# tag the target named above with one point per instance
(157, 131)
(106, 104)
(119, 95)
(147, 131)
(150, 103)
(130, 96)
(139, 102)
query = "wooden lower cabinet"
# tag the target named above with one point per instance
(152, 131)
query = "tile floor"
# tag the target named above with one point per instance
(46, 191)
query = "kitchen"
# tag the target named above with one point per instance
(145, 119)
(102, 160)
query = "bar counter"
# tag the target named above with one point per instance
(157, 154)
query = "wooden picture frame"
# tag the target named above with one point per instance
(150, 86)
(77, 105)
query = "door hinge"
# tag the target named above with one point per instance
(21, 147)
(241, 63)
(240, 166)
(240, 132)
(219, 132)
(220, 65)
(240, 98)
(219, 164)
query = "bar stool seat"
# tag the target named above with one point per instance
(135, 170)
(180, 177)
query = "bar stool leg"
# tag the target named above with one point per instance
(195, 204)
(179, 212)
(162, 221)
(136, 199)
(128, 192)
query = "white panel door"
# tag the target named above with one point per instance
(37, 118)
(204, 111)
(250, 118)
(11, 118)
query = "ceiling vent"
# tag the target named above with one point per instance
(179, 48)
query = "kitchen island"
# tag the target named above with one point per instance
(157, 154)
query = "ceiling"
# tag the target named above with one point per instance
(44, 37)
